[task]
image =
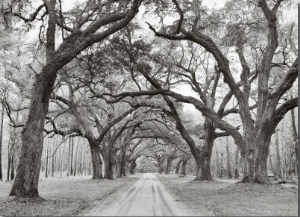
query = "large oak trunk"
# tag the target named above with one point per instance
(119, 169)
(255, 162)
(8, 168)
(27, 177)
(261, 156)
(121, 164)
(28, 171)
(203, 168)
(177, 167)
(160, 165)
(236, 162)
(12, 172)
(108, 165)
(183, 167)
(123, 168)
(46, 166)
(160, 169)
(132, 166)
(278, 160)
(229, 174)
(169, 164)
(96, 161)
(295, 136)
(1, 136)
(204, 155)
(53, 158)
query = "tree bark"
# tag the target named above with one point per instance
(183, 167)
(203, 164)
(120, 162)
(8, 159)
(245, 167)
(90, 167)
(118, 168)
(126, 168)
(123, 168)
(108, 164)
(76, 160)
(295, 137)
(203, 157)
(169, 164)
(160, 169)
(283, 164)
(160, 164)
(203, 169)
(177, 167)
(236, 170)
(46, 166)
(229, 174)
(1, 139)
(262, 141)
(96, 161)
(271, 165)
(83, 160)
(278, 160)
(221, 166)
(53, 157)
(12, 171)
(124, 165)
(71, 156)
(26, 182)
(267, 100)
(218, 164)
(132, 166)
(61, 166)
(8, 168)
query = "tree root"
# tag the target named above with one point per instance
(25, 199)
(282, 181)
(246, 179)
(200, 180)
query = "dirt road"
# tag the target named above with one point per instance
(147, 197)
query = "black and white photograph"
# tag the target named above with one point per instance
(149, 107)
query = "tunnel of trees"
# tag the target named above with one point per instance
(113, 87)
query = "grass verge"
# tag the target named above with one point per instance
(224, 198)
(63, 196)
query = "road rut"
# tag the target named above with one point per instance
(147, 197)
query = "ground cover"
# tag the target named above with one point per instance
(227, 198)
(63, 196)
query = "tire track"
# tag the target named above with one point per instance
(166, 204)
(147, 197)
(134, 190)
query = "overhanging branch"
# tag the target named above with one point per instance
(284, 108)
(31, 17)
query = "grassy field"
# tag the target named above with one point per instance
(77, 195)
(63, 196)
(226, 198)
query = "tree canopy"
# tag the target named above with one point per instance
(155, 81)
